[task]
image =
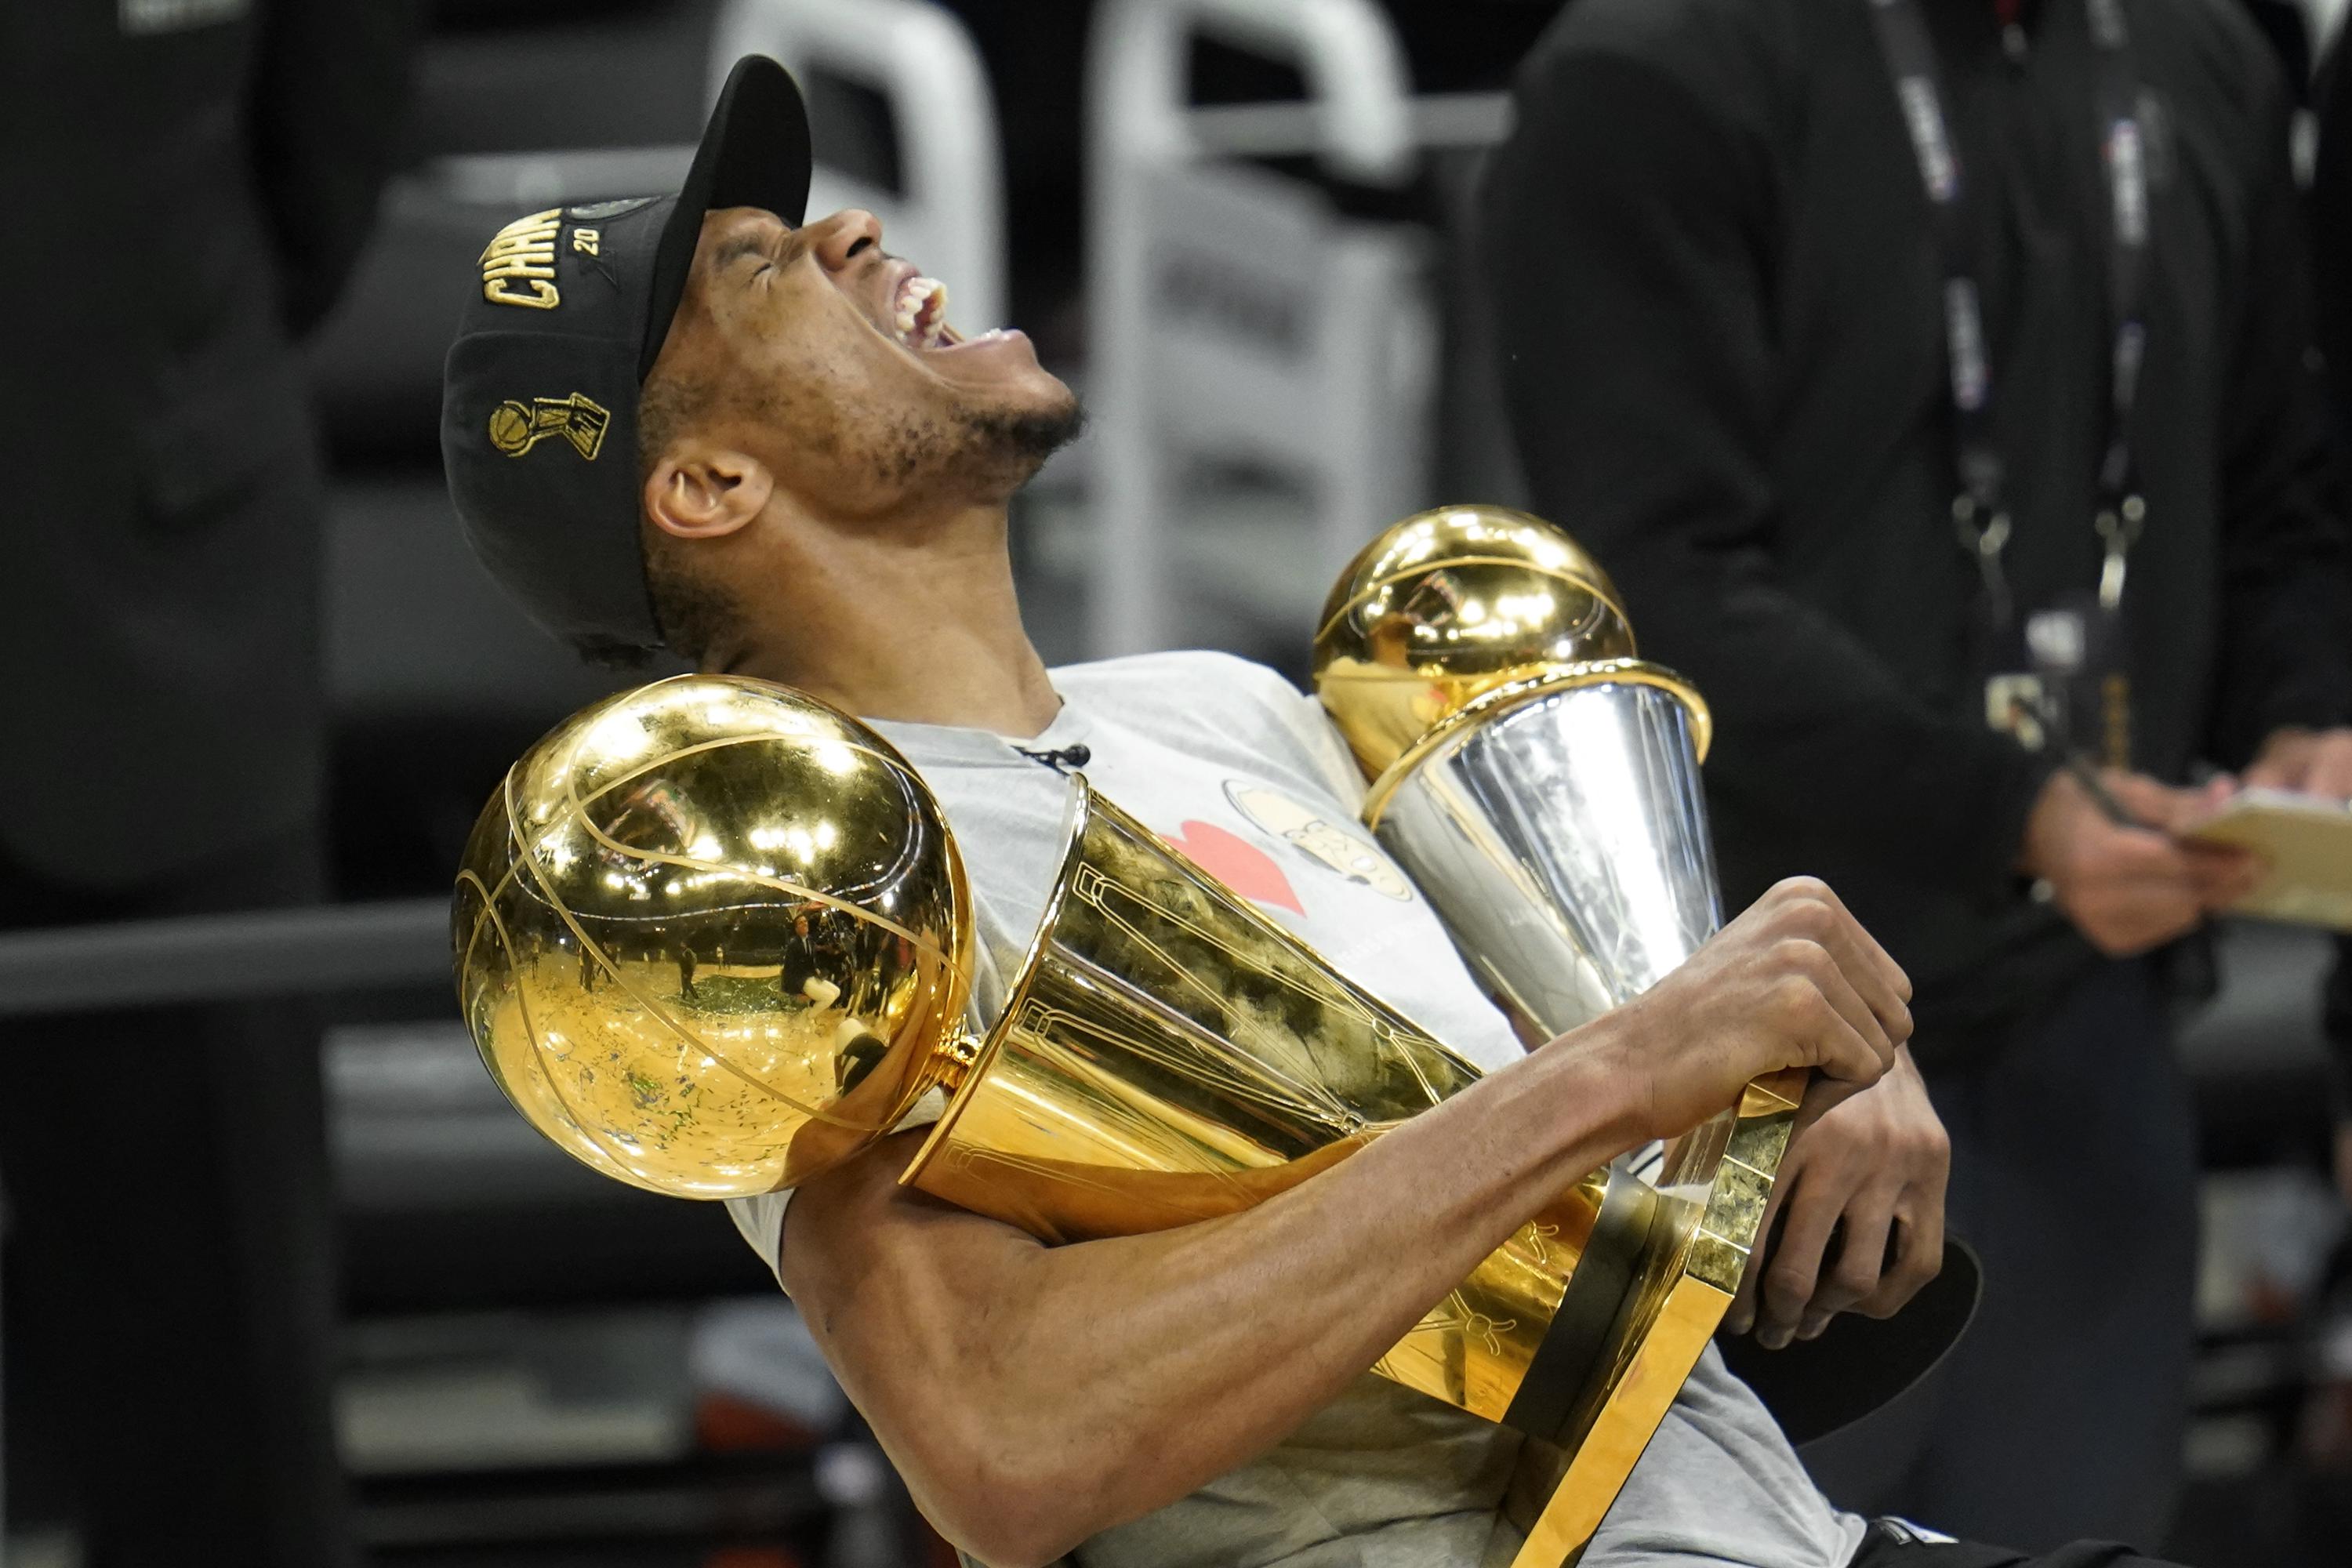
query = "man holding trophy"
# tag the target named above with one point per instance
(799, 475)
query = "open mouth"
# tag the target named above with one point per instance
(921, 313)
(918, 315)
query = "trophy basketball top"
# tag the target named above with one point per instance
(1450, 604)
(712, 937)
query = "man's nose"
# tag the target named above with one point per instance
(838, 239)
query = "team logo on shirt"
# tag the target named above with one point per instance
(1236, 862)
(1314, 834)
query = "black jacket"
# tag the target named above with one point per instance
(1726, 365)
(2331, 251)
(184, 185)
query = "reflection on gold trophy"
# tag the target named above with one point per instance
(709, 935)
(1540, 785)
(1447, 605)
(713, 938)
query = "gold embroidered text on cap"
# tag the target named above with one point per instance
(524, 250)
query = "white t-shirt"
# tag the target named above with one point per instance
(1227, 761)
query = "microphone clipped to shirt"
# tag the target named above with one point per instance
(1062, 760)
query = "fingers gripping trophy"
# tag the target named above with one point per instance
(713, 938)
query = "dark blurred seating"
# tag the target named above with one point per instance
(2256, 1052)
(451, 1206)
(435, 681)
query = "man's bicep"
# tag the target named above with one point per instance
(924, 1312)
(893, 1284)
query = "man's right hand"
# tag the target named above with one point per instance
(2130, 886)
(1793, 982)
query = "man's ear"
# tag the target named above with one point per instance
(702, 491)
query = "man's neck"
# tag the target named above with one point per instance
(920, 624)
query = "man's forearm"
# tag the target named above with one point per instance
(1033, 1397)
(1101, 1380)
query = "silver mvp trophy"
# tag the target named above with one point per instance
(1540, 785)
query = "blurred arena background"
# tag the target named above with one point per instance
(542, 1367)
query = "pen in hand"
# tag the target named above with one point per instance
(2109, 806)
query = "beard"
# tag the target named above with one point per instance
(1013, 443)
(977, 452)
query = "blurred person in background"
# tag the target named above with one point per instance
(2331, 241)
(186, 184)
(2327, 1434)
(1933, 377)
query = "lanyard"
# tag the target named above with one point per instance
(1981, 510)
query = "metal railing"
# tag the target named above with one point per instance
(224, 957)
(1231, 314)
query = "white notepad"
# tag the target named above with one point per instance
(2306, 841)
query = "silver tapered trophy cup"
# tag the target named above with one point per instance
(1558, 823)
(1542, 786)
(1539, 782)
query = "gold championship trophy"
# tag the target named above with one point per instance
(713, 938)
(1540, 785)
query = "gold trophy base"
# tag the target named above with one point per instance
(1661, 1359)
(1726, 1167)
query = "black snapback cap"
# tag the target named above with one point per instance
(538, 396)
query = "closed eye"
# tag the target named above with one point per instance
(738, 249)
(774, 248)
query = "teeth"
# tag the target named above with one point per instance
(933, 315)
(921, 311)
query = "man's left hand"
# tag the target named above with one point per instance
(1872, 1166)
(2310, 762)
